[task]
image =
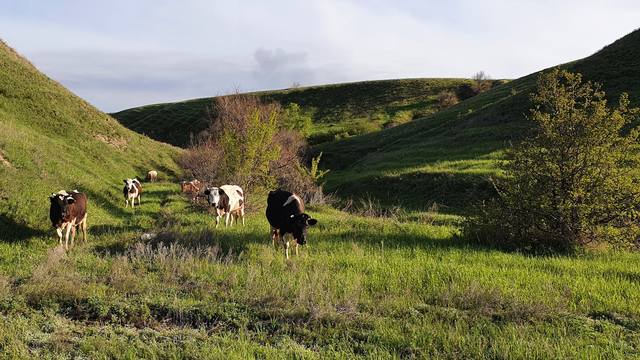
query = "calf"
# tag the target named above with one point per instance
(68, 212)
(228, 200)
(190, 187)
(152, 176)
(285, 213)
(131, 191)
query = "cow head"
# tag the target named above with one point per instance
(62, 200)
(213, 195)
(299, 224)
(129, 184)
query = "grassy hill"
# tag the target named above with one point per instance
(448, 156)
(401, 286)
(50, 140)
(334, 107)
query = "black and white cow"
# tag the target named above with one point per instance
(131, 191)
(228, 201)
(285, 213)
(67, 212)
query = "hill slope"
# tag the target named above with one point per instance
(51, 140)
(330, 104)
(449, 155)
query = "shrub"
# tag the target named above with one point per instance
(571, 183)
(447, 98)
(294, 118)
(247, 144)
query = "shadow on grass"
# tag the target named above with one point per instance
(12, 231)
(454, 192)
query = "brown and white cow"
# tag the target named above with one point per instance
(228, 201)
(152, 176)
(132, 190)
(191, 187)
(285, 213)
(67, 212)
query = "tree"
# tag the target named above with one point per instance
(572, 182)
(447, 98)
(294, 118)
(481, 82)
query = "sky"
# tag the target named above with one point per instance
(120, 54)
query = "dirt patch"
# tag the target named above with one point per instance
(5, 162)
(118, 143)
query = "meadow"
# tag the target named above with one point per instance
(364, 287)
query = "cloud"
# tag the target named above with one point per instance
(120, 54)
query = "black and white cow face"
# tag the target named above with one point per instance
(299, 224)
(62, 200)
(213, 196)
(129, 184)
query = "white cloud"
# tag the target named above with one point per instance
(121, 53)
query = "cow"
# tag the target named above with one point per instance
(152, 176)
(68, 211)
(131, 191)
(191, 187)
(228, 201)
(285, 213)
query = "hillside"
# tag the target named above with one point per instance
(449, 155)
(51, 140)
(333, 107)
(402, 285)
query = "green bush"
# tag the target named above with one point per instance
(571, 183)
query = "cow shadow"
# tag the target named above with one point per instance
(12, 231)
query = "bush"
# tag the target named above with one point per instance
(447, 98)
(294, 118)
(247, 145)
(571, 183)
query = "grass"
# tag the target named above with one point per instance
(51, 140)
(390, 278)
(364, 287)
(339, 110)
(450, 155)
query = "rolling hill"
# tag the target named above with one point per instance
(333, 107)
(449, 156)
(50, 140)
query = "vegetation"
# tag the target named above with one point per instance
(333, 108)
(450, 155)
(160, 281)
(573, 182)
(52, 140)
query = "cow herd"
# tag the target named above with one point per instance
(285, 210)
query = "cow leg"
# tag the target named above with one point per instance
(242, 214)
(226, 220)
(217, 220)
(274, 234)
(286, 248)
(73, 234)
(139, 197)
(296, 248)
(66, 237)
(59, 232)
(84, 228)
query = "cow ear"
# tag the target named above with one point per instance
(207, 192)
(124, 180)
(312, 222)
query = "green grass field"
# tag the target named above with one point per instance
(362, 288)
(336, 109)
(450, 154)
(402, 286)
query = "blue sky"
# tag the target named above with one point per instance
(119, 54)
